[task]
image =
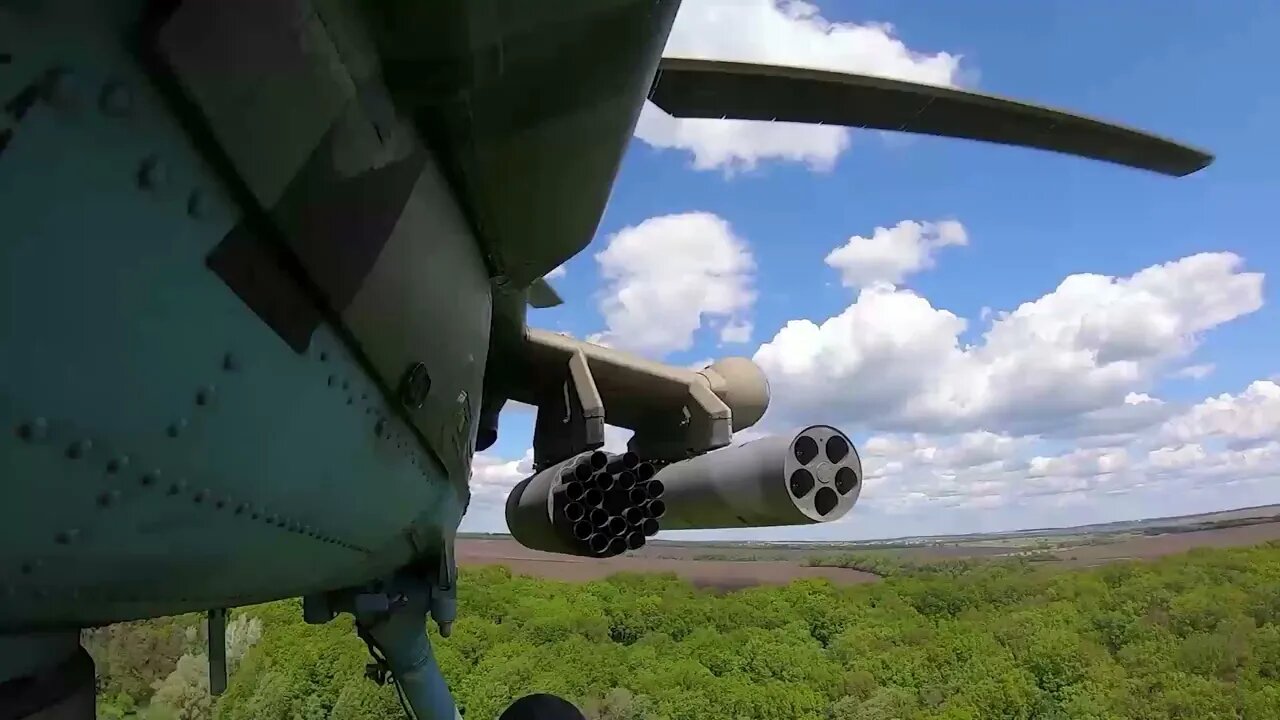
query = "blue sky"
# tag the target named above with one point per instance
(1031, 339)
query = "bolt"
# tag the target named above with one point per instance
(34, 431)
(204, 395)
(149, 479)
(220, 503)
(177, 487)
(332, 381)
(108, 498)
(66, 537)
(116, 464)
(324, 356)
(200, 496)
(176, 428)
(79, 449)
(380, 427)
(230, 363)
(116, 100)
(153, 174)
(241, 508)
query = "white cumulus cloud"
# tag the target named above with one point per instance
(891, 254)
(780, 32)
(1251, 415)
(668, 274)
(492, 477)
(1083, 352)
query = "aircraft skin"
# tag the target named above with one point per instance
(267, 266)
(184, 454)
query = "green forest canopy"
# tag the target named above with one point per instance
(1191, 636)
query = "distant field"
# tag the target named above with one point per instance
(1153, 546)
(726, 565)
(719, 574)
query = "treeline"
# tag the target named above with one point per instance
(889, 563)
(1191, 636)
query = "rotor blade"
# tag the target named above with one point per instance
(542, 295)
(689, 88)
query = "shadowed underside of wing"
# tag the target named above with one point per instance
(689, 88)
(542, 295)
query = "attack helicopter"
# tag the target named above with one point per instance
(268, 266)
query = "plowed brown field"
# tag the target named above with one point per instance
(719, 574)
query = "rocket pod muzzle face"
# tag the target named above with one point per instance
(823, 473)
(811, 476)
(588, 505)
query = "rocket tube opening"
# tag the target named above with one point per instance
(583, 471)
(598, 460)
(805, 449)
(634, 516)
(605, 481)
(837, 448)
(655, 509)
(654, 489)
(637, 495)
(801, 482)
(617, 526)
(573, 512)
(624, 480)
(617, 546)
(825, 501)
(598, 543)
(649, 527)
(598, 517)
(582, 530)
(846, 480)
(635, 540)
(592, 497)
(574, 490)
(645, 471)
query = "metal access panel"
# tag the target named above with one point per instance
(164, 449)
(291, 94)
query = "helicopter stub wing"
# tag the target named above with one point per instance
(691, 88)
